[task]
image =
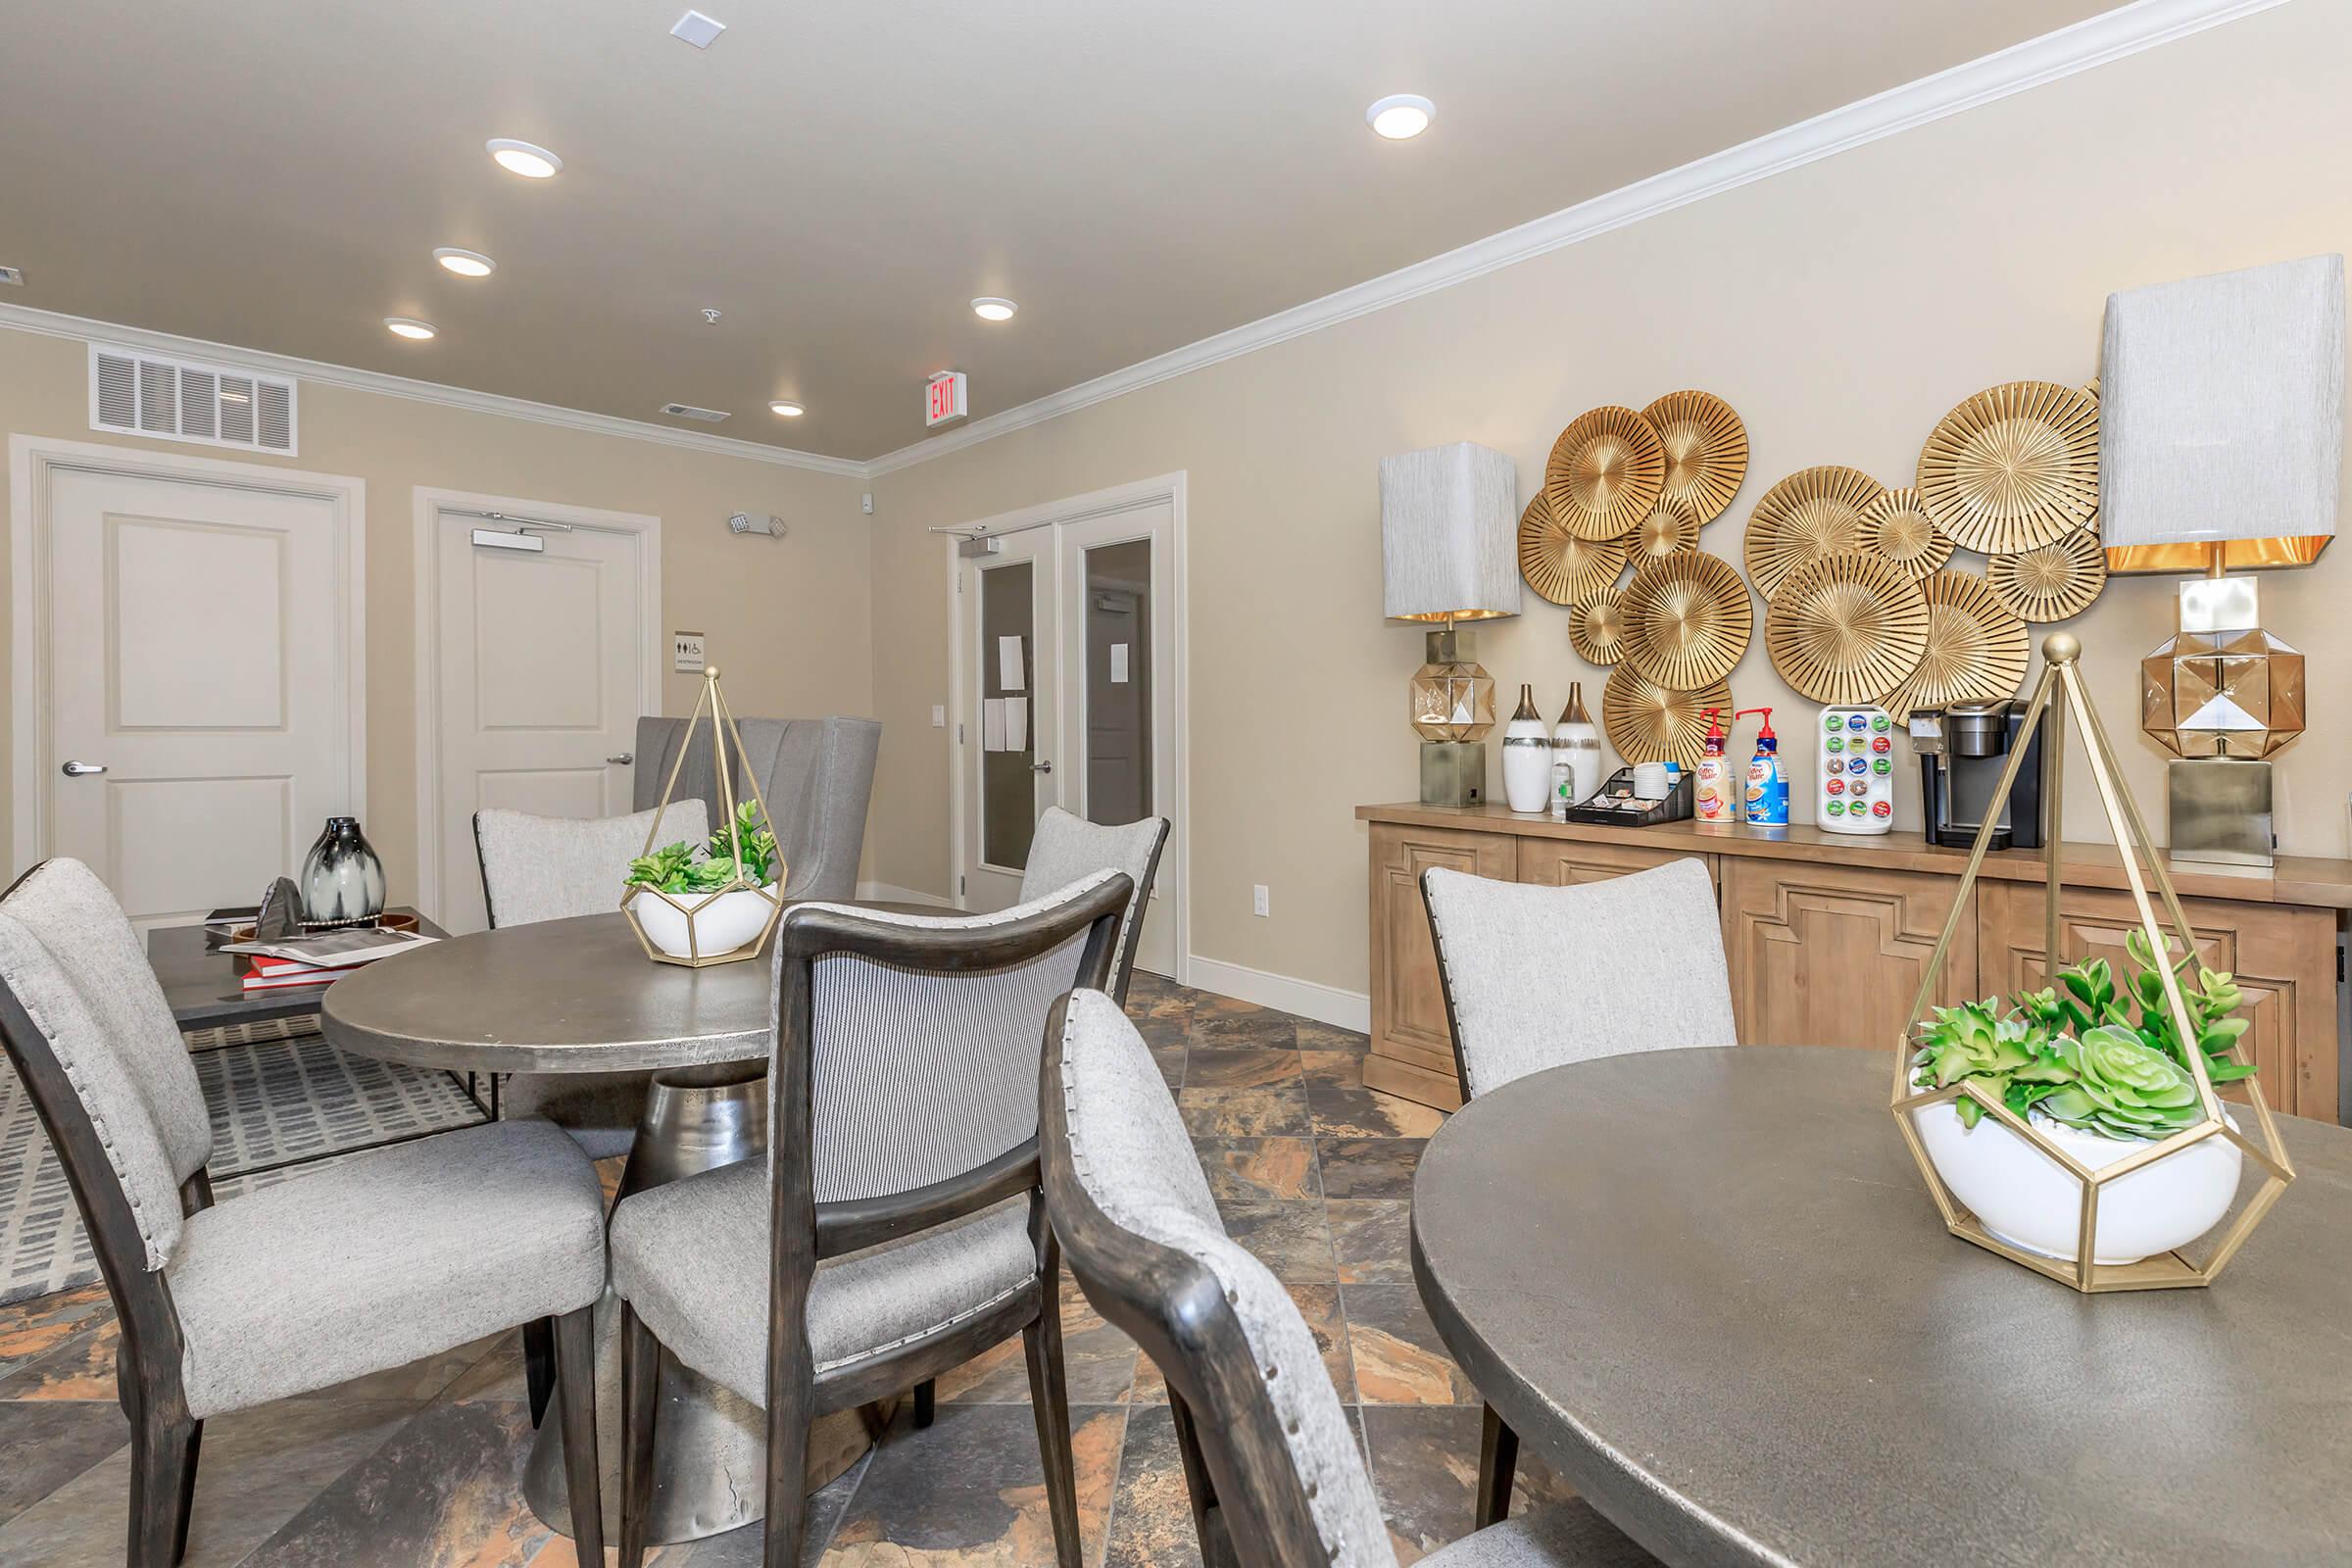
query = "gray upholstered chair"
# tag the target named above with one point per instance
(816, 775)
(1539, 977)
(552, 868)
(350, 1269)
(894, 1231)
(1069, 847)
(1273, 1469)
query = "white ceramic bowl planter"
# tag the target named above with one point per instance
(722, 921)
(2029, 1201)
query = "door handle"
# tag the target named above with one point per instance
(82, 769)
(626, 757)
(1040, 767)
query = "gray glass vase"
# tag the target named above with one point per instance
(342, 880)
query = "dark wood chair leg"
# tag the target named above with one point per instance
(1497, 1458)
(583, 1471)
(1050, 1398)
(640, 1386)
(539, 1364)
(787, 1483)
(163, 1487)
(926, 1399)
(1208, 1520)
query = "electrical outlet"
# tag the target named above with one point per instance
(939, 715)
(1261, 902)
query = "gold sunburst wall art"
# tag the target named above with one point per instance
(1687, 620)
(1975, 650)
(2013, 468)
(1898, 529)
(1813, 513)
(1846, 628)
(1564, 567)
(1668, 530)
(1596, 628)
(1604, 473)
(1647, 722)
(1705, 447)
(2052, 581)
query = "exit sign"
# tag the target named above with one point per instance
(943, 399)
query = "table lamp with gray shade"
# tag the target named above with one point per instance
(1448, 530)
(2221, 445)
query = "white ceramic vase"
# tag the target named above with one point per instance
(1525, 757)
(722, 921)
(2029, 1201)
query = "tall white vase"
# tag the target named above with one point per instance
(1525, 757)
(1576, 741)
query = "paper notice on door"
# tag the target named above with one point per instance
(1118, 663)
(992, 723)
(1016, 724)
(1009, 664)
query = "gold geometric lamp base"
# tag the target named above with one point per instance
(2100, 1126)
(2222, 695)
(1452, 708)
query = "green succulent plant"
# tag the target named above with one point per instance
(682, 869)
(2121, 1087)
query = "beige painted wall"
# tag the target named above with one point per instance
(1841, 308)
(788, 620)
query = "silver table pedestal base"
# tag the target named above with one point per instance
(709, 1443)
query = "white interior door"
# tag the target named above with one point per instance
(542, 674)
(197, 680)
(1008, 714)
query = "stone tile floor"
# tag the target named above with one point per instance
(422, 1465)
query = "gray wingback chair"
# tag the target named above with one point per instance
(816, 775)
(1068, 847)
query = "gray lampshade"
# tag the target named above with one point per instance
(2222, 415)
(1448, 534)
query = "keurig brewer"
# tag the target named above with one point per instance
(1962, 751)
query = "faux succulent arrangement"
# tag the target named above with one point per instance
(686, 868)
(2074, 1052)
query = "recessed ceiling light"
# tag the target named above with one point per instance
(522, 158)
(1401, 116)
(465, 263)
(786, 408)
(991, 309)
(698, 30)
(409, 326)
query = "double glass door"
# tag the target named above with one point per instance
(1069, 699)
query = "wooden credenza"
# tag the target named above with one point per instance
(1828, 935)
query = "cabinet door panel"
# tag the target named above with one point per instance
(1408, 1001)
(2284, 957)
(1565, 863)
(1833, 955)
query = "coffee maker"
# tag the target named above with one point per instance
(1962, 752)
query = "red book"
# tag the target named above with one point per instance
(299, 975)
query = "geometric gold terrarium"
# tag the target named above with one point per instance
(732, 920)
(2061, 679)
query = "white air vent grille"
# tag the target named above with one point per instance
(181, 399)
(687, 411)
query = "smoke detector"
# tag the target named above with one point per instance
(687, 411)
(698, 30)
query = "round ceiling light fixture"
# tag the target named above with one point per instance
(1401, 116)
(524, 159)
(786, 409)
(465, 263)
(991, 309)
(409, 327)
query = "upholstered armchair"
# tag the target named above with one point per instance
(816, 775)
(1069, 847)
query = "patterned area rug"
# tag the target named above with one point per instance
(278, 1093)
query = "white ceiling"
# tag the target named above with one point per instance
(840, 178)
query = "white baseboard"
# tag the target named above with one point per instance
(1343, 1009)
(892, 893)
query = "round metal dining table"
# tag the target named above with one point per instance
(582, 995)
(1710, 1288)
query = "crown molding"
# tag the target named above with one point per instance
(2115, 35)
(51, 323)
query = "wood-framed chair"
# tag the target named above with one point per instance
(347, 1270)
(1536, 977)
(1270, 1463)
(897, 1229)
(1067, 847)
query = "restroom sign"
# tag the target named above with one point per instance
(944, 398)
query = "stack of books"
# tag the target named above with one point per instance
(268, 974)
(313, 960)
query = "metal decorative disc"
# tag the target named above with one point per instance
(1652, 723)
(2052, 581)
(2014, 466)
(1668, 530)
(1604, 473)
(1707, 451)
(1558, 565)
(1596, 628)
(1687, 620)
(1976, 649)
(1899, 531)
(1846, 628)
(1811, 514)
